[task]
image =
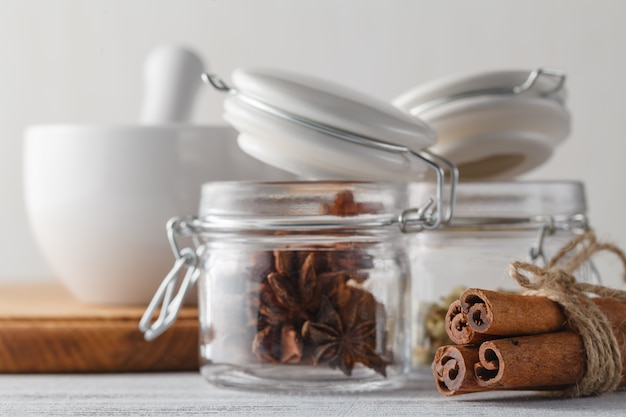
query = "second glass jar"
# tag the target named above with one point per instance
(493, 224)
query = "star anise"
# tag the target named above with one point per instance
(280, 343)
(345, 205)
(287, 297)
(348, 336)
(350, 257)
(307, 307)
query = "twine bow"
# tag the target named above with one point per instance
(555, 281)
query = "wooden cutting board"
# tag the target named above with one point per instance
(44, 329)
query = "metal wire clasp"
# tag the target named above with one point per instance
(577, 223)
(528, 84)
(433, 213)
(170, 295)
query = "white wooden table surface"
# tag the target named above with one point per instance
(188, 394)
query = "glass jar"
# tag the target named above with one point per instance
(493, 224)
(301, 285)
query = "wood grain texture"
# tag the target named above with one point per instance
(43, 329)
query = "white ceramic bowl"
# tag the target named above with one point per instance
(98, 199)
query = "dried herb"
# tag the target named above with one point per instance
(434, 322)
(310, 308)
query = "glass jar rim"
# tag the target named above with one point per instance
(301, 205)
(513, 205)
(512, 199)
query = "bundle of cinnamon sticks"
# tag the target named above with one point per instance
(508, 341)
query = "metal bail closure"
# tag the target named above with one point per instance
(170, 295)
(529, 84)
(577, 223)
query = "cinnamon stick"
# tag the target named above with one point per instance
(498, 313)
(545, 361)
(458, 328)
(453, 369)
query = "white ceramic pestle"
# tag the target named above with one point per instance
(172, 78)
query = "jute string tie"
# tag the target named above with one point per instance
(555, 281)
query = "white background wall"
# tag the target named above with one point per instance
(80, 62)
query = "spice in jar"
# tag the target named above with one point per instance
(435, 327)
(312, 308)
(309, 304)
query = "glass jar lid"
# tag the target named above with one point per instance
(318, 129)
(321, 130)
(493, 125)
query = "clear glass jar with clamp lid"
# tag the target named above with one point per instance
(301, 285)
